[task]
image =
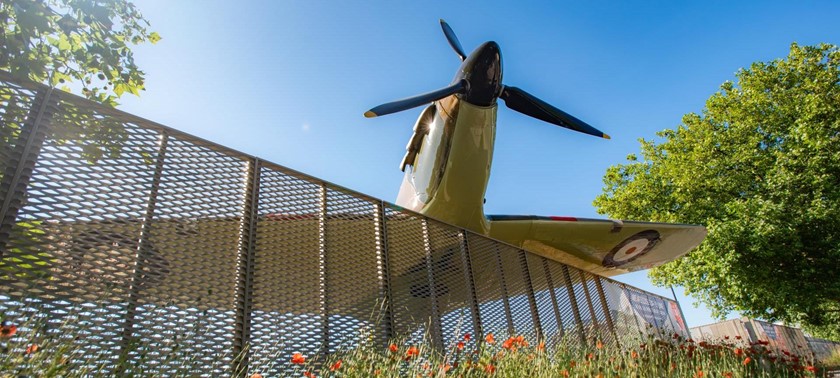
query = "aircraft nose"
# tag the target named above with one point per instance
(483, 70)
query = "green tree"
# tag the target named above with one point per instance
(76, 45)
(760, 167)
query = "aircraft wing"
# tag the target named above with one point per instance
(605, 247)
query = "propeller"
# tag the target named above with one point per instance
(453, 40)
(478, 81)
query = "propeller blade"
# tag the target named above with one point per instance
(453, 40)
(413, 102)
(527, 104)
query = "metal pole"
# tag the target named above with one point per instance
(574, 302)
(599, 286)
(385, 270)
(245, 269)
(142, 252)
(436, 332)
(469, 277)
(322, 269)
(24, 155)
(553, 295)
(532, 300)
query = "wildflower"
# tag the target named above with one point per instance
(466, 337)
(699, 373)
(7, 329)
(460, 345)
(737, 337)
(590, 356)
(336, 366)
(747, 361)
(256, 375)
(633, 354)
(728, 374)
(32, 349)
(599, 345)
(564, 373)
(489, 338)
(309, 374)
(298, 358)
(811, 368)
(490, 369)
(412, 352)
(739, 351)
(572, 364)
(726, 337)
(508, 343)
(541, 346)
(446, 367)
(393, 348)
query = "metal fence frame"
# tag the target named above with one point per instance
(490, 285)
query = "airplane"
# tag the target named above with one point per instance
(447, 169)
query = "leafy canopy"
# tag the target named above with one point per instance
(760, 167)
(85, 41)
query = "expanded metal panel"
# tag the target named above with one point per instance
(517, 284)
(288, 289)
(452, 291)
(413, 290)
(491, 292)
(602, 324)
(568, 305)
(353, 272)
(546, 300)
(623, 317)
(17, 106)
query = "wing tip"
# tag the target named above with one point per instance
(605, 136)
(370, 114)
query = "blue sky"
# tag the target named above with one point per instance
(289, 80)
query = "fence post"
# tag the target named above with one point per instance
(469, 277)
(143, 247)
(573, 300)
(553, 296)
(24, 155)
(599, 286)
(380, 221)
(322, 265)
(246, 263)
(436, 333)
(532, 300)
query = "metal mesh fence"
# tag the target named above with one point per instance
(140, 243)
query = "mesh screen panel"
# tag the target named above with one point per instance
(138, 242)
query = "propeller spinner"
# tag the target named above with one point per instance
(479, 82)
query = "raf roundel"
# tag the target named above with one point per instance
(631, 248)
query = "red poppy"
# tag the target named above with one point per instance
(508, 343)
(412, 352)
(739, 351)
(747, 361)
(393, 348)
(737, 337)
(460, 345)
(298, 358)
(309, 374)
(811, 368)
(489, 338)
(256, 375)
(490, 369)
(336, 366)
(32, 349)
(633, 354)
(7, 330)
(699, 373)
(728, 374)
(466, 337)
(599, 344)
(541, 346)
